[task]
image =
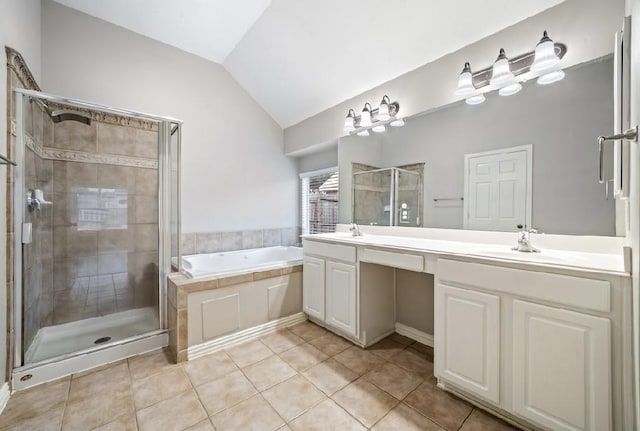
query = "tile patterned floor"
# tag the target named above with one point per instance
(301, 378)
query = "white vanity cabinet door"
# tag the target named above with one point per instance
(341, 296)
(467, 340)
(561, 367)
(313, 294)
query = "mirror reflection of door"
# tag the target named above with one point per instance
(497, 189)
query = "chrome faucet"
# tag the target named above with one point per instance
(355, 230)
(524, 241)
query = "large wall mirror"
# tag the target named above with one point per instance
(529, 159)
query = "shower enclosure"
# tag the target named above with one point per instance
(96, 216)
(387, 197)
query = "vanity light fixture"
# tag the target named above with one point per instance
(505, 73)
(374, 119)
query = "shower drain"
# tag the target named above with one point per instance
(102, 340)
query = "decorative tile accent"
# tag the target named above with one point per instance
(105, 159)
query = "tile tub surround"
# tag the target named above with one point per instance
(216, 242)
(180, 286)
(235, 389)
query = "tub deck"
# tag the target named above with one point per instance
(180, 286)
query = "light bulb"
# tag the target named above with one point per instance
(383, 110)
(465, 82)
(365, 117)
(398, 122)
(501, 70)
(379, 128)
(349, 125)
(363, 133)
(510, 89)
(475, 100)
(551, 77)
(545, 55)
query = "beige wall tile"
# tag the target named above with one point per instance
(72, 135)
(67, 175)
(231, 241)
(146, 182)
(116, 139)
(146, 144)
(117, 177)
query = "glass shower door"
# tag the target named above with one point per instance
(89, 184)
(409, 193)
(372, 197)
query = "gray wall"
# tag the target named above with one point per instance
(414, 300)
(236, 176)
(561, 121)
(20, 29)
(325, 158)
(586, 26)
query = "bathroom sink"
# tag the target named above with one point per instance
(506, 253)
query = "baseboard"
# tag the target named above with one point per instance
(4, 396)
(220, 343)
(414, 334)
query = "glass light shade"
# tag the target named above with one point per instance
(501, 72)
(510, 89)
(363, 133)
(545, 55)
(475, 100)
(379, 128)
(365, 118)
(383, 111)
(399, 122)
(551, 77)
(348, 124)
(465, 82)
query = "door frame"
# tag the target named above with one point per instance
(528, 148)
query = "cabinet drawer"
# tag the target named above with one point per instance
(344, 253)
(561, 289)
(411, 262)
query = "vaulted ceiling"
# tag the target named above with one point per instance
(299, 57)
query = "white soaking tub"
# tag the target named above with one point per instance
(230, 262)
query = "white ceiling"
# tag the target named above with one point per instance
(207, 28)
(298, 58)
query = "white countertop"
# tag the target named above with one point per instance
(607, 262)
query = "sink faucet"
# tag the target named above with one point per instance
(524, 241)
(355, 229)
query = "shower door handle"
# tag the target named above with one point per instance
(27, 233)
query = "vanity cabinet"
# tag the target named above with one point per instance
(329, 286)
(561, 363)
(313, 280)
(468, 340)
(524, 341)
(340, 289)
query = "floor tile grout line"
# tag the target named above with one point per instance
(421, 414)
(466, 418)
(133, 401)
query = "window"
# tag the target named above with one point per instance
(319, 201)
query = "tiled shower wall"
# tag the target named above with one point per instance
(215, 242)
(105, 220)
(38, 255)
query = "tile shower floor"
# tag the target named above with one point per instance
(301, 378)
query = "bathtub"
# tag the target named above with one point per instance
(230, 262)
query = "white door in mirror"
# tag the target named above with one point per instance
(497, 189)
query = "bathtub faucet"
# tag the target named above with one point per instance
(355, 230)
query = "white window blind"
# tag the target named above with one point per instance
(319, 201)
